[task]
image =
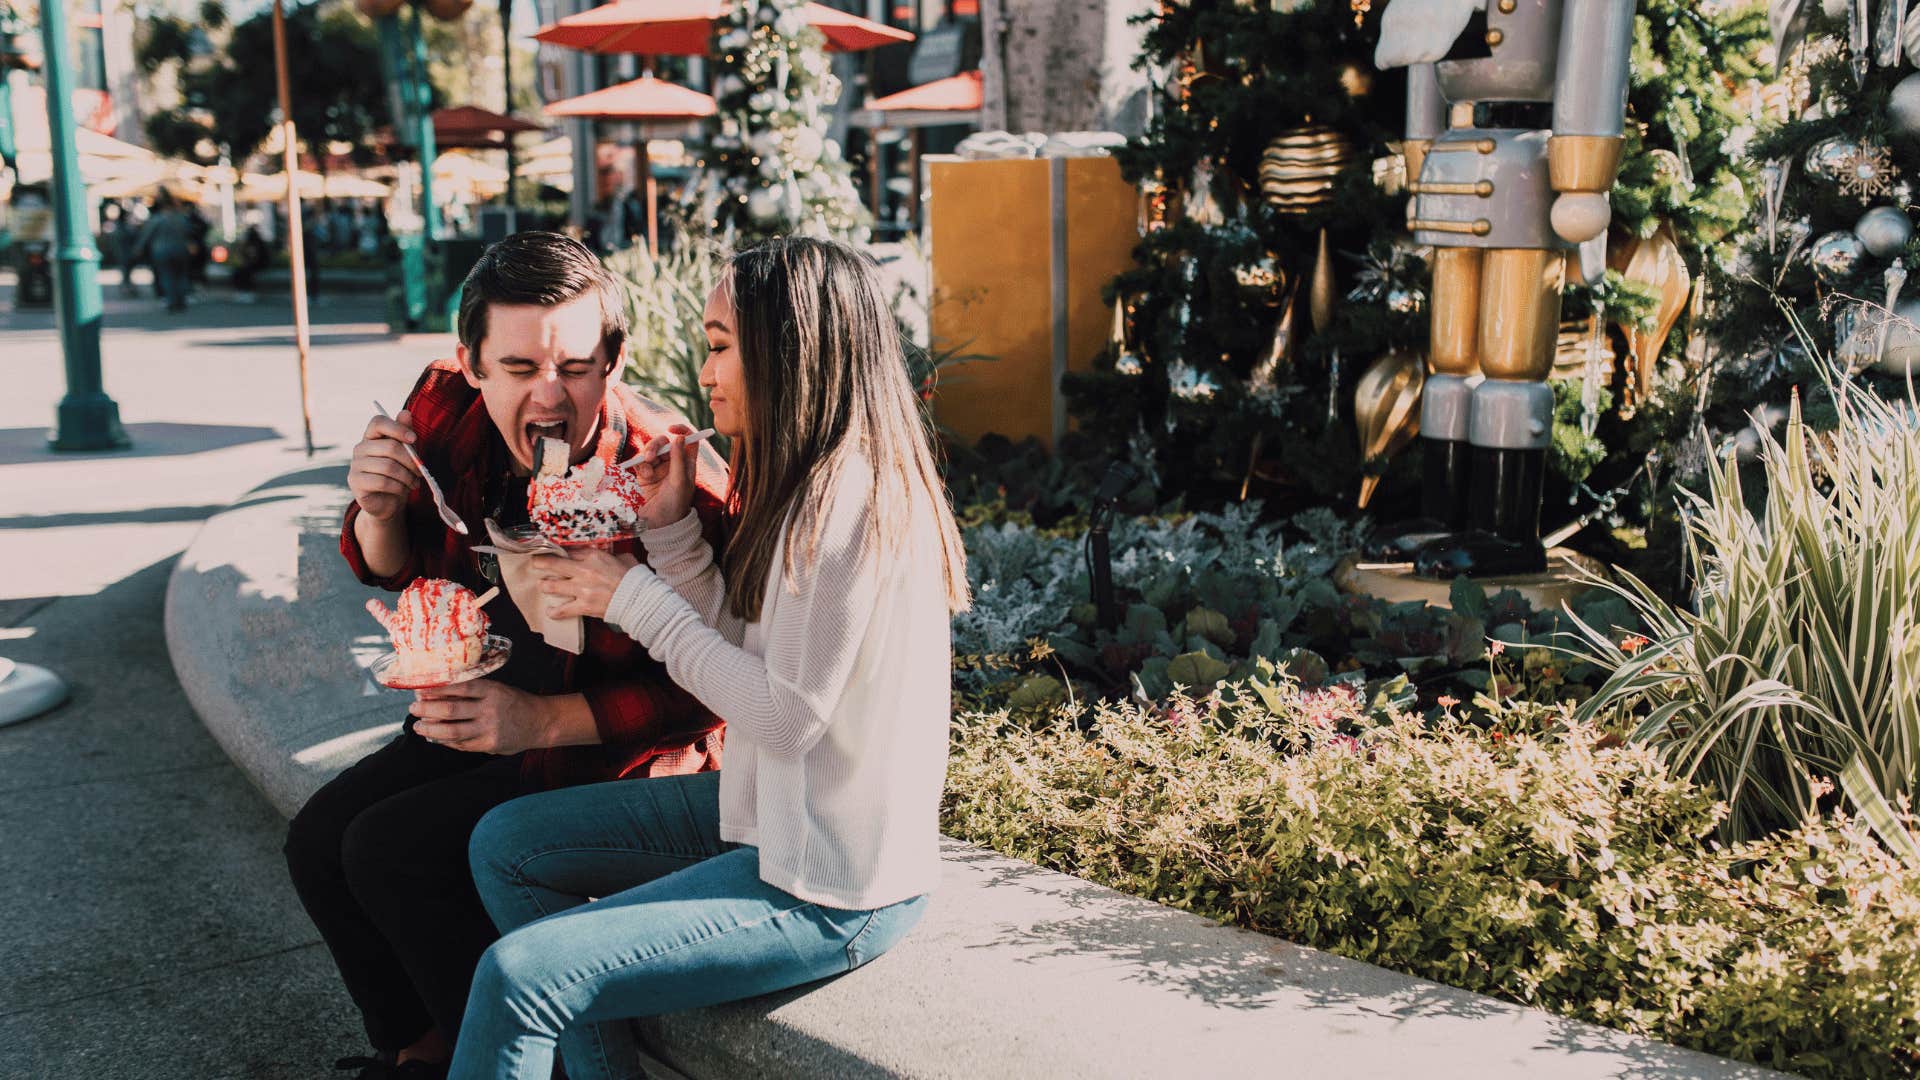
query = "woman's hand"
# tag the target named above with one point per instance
(667, 483)
(584, 581)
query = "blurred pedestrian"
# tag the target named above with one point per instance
(164, 243)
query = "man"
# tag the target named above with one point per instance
(379, 855)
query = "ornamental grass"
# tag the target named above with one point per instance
(1571, 871)
(1799, 663)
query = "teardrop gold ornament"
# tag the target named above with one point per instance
(1386, 410)
(1320, 298)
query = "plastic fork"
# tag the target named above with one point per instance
(439, 501)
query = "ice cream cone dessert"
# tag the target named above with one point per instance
(436, 626)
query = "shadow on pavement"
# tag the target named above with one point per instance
(20, 446)
(286, 340)
(148, 516)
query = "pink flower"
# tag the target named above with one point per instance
(1496, 647)
(1448, 701)
(1345, 742)
(1633, 644)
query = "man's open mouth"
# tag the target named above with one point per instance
(550, 429)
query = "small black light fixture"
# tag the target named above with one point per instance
(1119, 477)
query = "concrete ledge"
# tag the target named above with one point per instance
(1016, 971)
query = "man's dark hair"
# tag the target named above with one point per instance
(544, 269)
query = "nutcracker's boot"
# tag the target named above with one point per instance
(1445, 411)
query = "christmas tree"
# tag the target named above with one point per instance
(1683, 192)
(1830, 241)
(771, 170)
(1236, 333)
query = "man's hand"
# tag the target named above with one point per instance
(667, 483)
(482, 716)
(381, 474)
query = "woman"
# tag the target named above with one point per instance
(822, 637)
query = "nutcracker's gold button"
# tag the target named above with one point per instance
(1507, 6)
(1495, 37)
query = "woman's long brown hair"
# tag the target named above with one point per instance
(826, 378)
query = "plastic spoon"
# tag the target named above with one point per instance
(697, 437)
(439, 501)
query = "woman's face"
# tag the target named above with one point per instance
(723, 375)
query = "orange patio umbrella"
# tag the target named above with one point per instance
(643, 100)
(685, 28)
(965, 92)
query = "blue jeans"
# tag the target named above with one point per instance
(170, 279)
(683, 921)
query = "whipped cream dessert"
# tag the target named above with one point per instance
(436, 626)
(586, 502)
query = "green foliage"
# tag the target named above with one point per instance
(1212, 597)
(666, 336)
(227, 87)
(1804, 655)
(1569, 872)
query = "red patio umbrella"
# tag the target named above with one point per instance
(643, 100)
(685, 28)
(470, 127)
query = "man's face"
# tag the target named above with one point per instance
(543, 374)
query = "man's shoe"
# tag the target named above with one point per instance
(371, 1068)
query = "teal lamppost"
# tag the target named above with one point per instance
(87, 419)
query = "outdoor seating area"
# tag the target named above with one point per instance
(1087, 538)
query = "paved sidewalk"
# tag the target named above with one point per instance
(151, 930)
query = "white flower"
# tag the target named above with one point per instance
(790, 23)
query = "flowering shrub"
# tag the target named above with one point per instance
(1572, 873)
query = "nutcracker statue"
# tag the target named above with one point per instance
(1514, 113)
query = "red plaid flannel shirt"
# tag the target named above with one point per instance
(648, 725)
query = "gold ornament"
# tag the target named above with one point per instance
(1299, 166)
(1320, 293)
(1356, 80)
(1570, 352)
(1653, 261)
(1386, 409)
(1866, 172)
(1280, 354)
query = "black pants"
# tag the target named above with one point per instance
(379, 858)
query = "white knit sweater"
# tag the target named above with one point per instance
(837, 700)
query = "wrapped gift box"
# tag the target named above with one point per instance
(1020, 251)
